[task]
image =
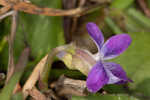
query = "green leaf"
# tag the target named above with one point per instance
(8, 89)
(43, 32)
(139, 17)
(56, 73)
(121, 4)
(17, 96)
(105, 97)
(112, 25)
(136, 62)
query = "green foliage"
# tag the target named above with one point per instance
(136, 62)
(138, 17)
(6, 92)
(113, 26)
(17, 96)
(42, 32)
(121, 4)
(105, 97)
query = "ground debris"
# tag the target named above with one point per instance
(67, 87)
(37, 95)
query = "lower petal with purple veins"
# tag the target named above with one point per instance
(124, 81)
(97, 78)
(117, 71)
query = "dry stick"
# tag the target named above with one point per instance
(81, 3)
(33, 9)
(11, 43)
(40, 69)
(70, 86)
(3, 3)
(34, 77)
(6, 92)
(75, 19)
(144, 7)
(6, 15)
(4, 10)
(36, 94)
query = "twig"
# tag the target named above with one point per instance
(34, 76)
(67, 21)
(75, 19)
(144, 7)
(68, 86)
(33, 9)
(81, 3)
(11, 44)
(6, 14)
(24, 36)
(7, 91)
(36, 94)
(41, 69)
(4, 10)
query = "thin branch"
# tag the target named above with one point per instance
(144, 7)
(4, 10)
(34, 76)
(66, 86)
(6, 92)
(41, 69)
(11, 44)
(33, 9)
(6, 15)
(75, 19)
(81, 3)
(36, 94)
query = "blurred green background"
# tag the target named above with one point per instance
(43, 33)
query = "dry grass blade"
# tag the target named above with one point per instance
(11, 44)
(7, 91)
(22, 60)
(36, 94)
(33, 9)
(144, 7)
(6, 15)
(67, 86)
(41, 69)
(34, 76)
(4, 10)
(17, 88)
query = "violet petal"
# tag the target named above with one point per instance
(118, 72)
(115, 46)
(124, 82)
(96, 34)
(97, 78)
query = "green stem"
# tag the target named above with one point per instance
(112, 25)
(47, 67)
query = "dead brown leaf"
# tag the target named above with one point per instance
(36, 94)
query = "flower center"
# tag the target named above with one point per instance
(98, 57)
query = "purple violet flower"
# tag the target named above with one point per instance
(103, 73)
